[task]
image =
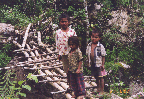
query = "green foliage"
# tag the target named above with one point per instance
(49, 40)
(9, 89)
(12, 89)
(119, 89)
(26, 87)
(31, 77)
(5, 57)
(86, 70)
(14, 16)
(128, 49)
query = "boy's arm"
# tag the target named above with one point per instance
(56, 41)
(78, 70)
(103, 53)
(103, 61)
(79, 61)
(57, 48)
(87, 58)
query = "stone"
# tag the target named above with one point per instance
(6, 29)
(135, 87)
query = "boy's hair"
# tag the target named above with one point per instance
(74, 40)
(97, 30)
(64, 16)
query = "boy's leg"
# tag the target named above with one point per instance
(65, 67)
(80, 84)
(102, 84)
(68, 79)
(73, 83)
(98, 83)
(65, 63)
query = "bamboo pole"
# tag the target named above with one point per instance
(88, 92)
(3, 37)
(61, 72)
(25, 53)
(42, 67)
(49, 50)
(7, 67)
(32, 54)
(39, 40)
(54, 84)
(19, 50)
(53, 81)
(59, 76)
(36, 52)
(68, 96)
(64, 85)
(26, 35)
(48, 78)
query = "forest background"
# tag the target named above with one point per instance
(123, 37)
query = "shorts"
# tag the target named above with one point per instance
(96, 72)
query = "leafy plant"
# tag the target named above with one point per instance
(14, 16)
(4, 59)
(12, 89)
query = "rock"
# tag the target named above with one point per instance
(97, 7)
(124, 65)
(6, 29)
(135, 88)
(120, 18)
(139, 95)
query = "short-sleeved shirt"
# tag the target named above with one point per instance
(99, 51)
(61, 39)
(74, 60)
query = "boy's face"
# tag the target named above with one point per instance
(95, 38)
(64, 23)
(72, 46)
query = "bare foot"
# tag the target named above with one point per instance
(80, 97)
(73, 96)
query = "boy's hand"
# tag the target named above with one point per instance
(67, 70)
(78, 71)
(102, 68)
(88, 65)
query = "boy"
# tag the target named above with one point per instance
(76, 68)
(61, 39)
(96, 58)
